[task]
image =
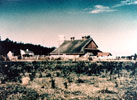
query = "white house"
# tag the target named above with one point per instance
(26, 53)
(11, 56)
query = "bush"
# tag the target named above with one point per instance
(17, 92)
(130, 95)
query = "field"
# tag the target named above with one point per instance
(68, 80)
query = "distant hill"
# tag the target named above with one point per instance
(9, 45)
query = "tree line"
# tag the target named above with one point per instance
(9, 45)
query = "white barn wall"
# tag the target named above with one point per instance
(65, 56)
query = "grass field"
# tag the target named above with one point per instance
(68, 80)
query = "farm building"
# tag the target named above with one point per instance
(11, 56)
(102, 54)
(76, 48)
(26, 53)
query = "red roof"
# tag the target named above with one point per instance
(104, 54)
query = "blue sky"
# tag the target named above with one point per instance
(111, 23)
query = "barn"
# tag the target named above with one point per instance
(76, 48)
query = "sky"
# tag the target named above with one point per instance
(111, 23)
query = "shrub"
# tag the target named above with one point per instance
(130, 95)
(22, 93)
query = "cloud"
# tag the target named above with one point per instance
(101, 9)
(135, 2)
(125, 2)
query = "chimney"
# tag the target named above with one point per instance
(88, 36)
(85, 37)
(72, 38)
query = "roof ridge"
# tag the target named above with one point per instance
(75, 40)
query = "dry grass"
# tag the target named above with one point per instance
(74, 80)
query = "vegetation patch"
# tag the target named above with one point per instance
(71, 80)
(17, 92)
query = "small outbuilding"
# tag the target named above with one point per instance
(11, 56)
(26, 53)
(104, 54)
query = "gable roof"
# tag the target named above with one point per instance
(73, 47)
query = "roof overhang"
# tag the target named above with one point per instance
(89, 49)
